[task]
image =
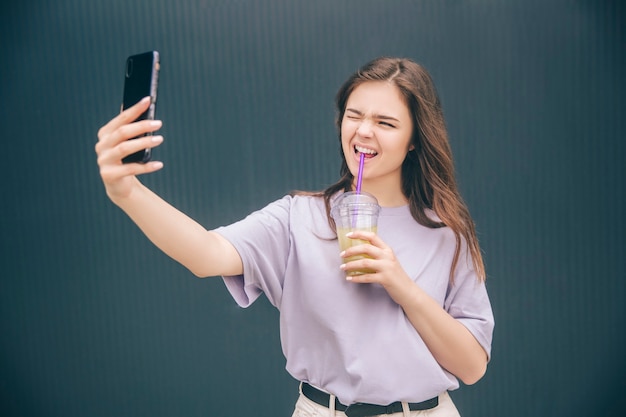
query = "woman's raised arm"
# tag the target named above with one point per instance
(203, 252)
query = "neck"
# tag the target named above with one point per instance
(386, 194)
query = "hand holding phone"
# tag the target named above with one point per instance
(141, 80)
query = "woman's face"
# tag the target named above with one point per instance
(376, 122)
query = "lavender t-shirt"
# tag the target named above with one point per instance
(352, 339)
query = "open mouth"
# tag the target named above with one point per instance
(369, 153)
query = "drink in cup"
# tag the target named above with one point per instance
(354, 211)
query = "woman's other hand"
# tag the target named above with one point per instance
(381, 259)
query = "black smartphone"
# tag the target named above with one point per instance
(141, 80)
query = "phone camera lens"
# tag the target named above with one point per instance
(129, 68)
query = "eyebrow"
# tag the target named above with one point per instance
(376, 116)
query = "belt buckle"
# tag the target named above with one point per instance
(364, 410)
(353, 410)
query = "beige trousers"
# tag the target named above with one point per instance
(307, 408)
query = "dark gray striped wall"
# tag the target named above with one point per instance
(96, 322)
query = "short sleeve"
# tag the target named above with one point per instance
(468, 302)
(262, 240)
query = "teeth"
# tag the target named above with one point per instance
(365, 150)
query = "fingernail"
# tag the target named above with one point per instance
(157, 164)
(342, 253)
(348, 277)
(155, 123)
(349, 234)
(157, 138)
(342, 266)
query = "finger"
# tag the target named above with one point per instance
(371, 237)
(115, 155)
(360, 265)
(134, 130)
(112, 173)
(360, 262)
(126, 132)
(362, 278)
(129, 147)
(364, 249)
(126, 116)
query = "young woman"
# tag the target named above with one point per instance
(392, 341)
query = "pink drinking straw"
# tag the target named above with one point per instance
(360, 176)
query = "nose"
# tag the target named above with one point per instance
(365, 128)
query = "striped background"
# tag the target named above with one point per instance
(94, 321)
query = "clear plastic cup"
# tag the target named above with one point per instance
(355, 211)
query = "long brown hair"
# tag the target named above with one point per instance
(428, 180)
